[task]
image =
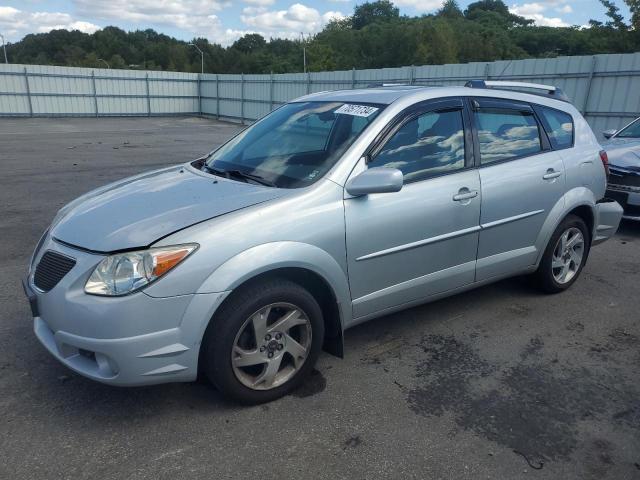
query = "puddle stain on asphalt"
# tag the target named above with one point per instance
(352, 442)
(529, 406)
(315, 383)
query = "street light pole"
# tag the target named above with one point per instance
(304, 54)
(105, 62)
(201, 57)
(4, 48)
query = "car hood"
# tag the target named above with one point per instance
(137, 211)
(623, 152)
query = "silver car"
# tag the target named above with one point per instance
(623, 149)
(334, 209)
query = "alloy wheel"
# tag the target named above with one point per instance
(271, 346)
(568, 255)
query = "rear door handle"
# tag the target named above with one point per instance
(551, 174)
(465, 194)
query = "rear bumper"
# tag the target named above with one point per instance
(628, 197)
(608, 216)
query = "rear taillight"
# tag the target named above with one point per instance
(605, 162)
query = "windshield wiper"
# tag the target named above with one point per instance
(239, 174)
(251, 176)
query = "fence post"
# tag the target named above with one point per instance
(242, 98)
(217, 97)
(95, 93)
(148, 97)
(199, 95)
(589, 81)
(308, 82)
(353, 78)
(26, 81)
(271, 91)
(487, 66)
(412, 74)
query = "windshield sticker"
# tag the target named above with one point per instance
(356, 110)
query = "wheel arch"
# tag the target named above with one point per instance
(308, 265)
(578, 201)
(586, 213)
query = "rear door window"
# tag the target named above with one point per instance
(559, 127)
(506, 133)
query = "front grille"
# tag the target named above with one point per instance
(52, 267)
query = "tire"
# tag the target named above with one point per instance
(550, 277)
(241, 364)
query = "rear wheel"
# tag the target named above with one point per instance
(564, 256)
(263, 341)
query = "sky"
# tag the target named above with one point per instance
(223, 21)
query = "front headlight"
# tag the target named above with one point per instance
(127, 272)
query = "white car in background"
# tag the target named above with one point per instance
(623, 150)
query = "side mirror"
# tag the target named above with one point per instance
(608, 133)
(376, 180)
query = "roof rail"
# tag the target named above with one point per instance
(543, 90)
(383, 84)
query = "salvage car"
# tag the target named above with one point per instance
(623, 149)
(334, 209)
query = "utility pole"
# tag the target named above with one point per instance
(4, 48)
(304, 54)
(201, 57)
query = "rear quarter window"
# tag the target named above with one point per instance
(559, 127)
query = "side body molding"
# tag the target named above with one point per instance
(285, 254)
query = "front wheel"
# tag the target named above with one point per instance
(564, 256)
(263, 341)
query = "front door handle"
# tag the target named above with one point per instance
(465, 194)
(551, 174)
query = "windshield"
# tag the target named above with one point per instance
(632, 131)
(295, 145)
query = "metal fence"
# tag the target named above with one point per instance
(44, 91)
(606, 88)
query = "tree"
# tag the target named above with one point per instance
(250, 43)
(613, 12)
(494, 11)
(371, 12)
(450, 9)
(375, 36)
(634, 8)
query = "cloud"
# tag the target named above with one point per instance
(168, 12)
(261, 3)
(420, 5)
(530, 9)
(254, 10)
(535, 11)
(15, 24)
(196, 17)
(297, 18)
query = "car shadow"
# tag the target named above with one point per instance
(516, 289)
(72, 396)
(629, 229)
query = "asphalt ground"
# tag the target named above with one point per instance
(498, 383)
